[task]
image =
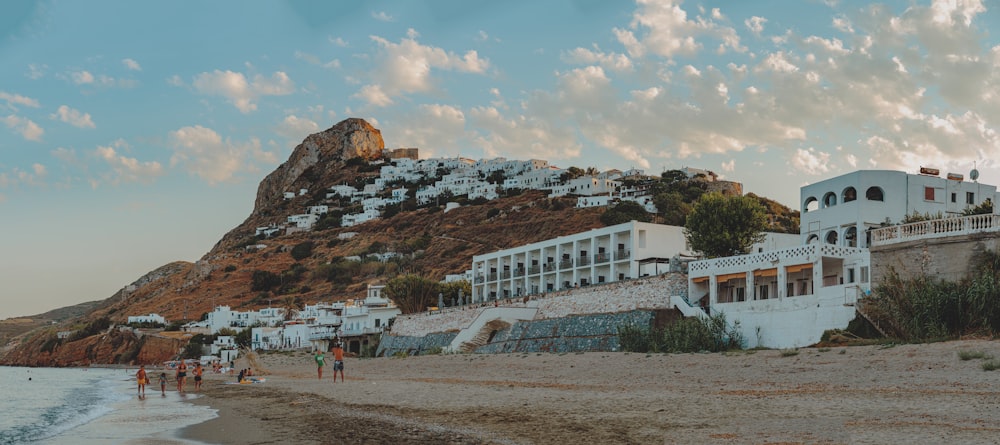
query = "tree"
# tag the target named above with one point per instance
(412, 293)
(720, 226)
(672, 208)
(984, 208)
(244, 338)
(302, 250)
(291, 306)
(624, 212)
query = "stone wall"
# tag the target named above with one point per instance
(950, 259)
(623, 296)
(569, 334)
(582, 319)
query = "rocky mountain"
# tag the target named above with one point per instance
(246, 272)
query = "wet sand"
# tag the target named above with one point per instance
(838, 395)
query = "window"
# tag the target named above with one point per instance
(850, 275)
(850, 194)
(762, 292)
(831, 237)
(811, 205)
(740, 294)
(970, 198)
(864, 274)
(829, 200)
(874, 194)
(954, 197)
(928, 193)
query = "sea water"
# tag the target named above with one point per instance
(91, 406)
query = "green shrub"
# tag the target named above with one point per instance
(694, 334)
(970, 355)
(991, 365)
(302, 250)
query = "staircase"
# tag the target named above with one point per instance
(478, 332)
(484, 336)
(860, 310)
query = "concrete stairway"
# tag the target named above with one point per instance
(478, 332)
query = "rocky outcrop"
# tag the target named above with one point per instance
(116, 346)
(316, 155)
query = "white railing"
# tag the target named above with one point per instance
(937, 228)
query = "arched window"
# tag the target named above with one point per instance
(849, 194)
(851, 237)
(811, 205)
(813, 239)
(829, 200)
(831, 237)
(874, 194)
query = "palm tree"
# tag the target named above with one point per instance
(290, 306)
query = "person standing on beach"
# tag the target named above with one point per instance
(181, 376)
(163, 384)
(338, 362)
(140, 377)
(320, 363)
(197, 376)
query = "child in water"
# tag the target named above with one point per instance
(163, 383)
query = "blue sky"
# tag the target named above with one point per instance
(133, 134)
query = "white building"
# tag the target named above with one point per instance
(151, 318)
(602, 255)
(224, 317)
(780, 298)
(841, 210)
(303, 221)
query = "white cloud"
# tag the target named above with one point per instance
(131, 65)
(36, 72)
(523, 136)
(73, 117)
(239, 91)
(297, 128)
(338, 41)
(26, 127)
(406, 67)
(755, 24)
(175, 81)
(437, 130)
(125, 169)
(382, 16)
(205, 154)
(314, 60)
(811, 161)
(13, 100)
(729, 166)
(611, 61)
(81, 77)
(662, 28)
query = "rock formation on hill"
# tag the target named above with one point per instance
(318, 156)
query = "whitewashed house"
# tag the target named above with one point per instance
(150, 318)
(303, 220)
(318, 209)
(841, 210)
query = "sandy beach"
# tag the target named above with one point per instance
(879, 394)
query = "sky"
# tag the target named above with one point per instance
(133, 134)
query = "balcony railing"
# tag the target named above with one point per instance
(519, 272)
(937, 228)
(623, 255)
(566, 264)
(602, 257)
(583, 261)
(533, 270)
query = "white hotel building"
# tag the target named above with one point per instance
(602, 255)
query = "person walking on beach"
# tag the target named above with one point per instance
(163, 384)
(181, 375)
(140, 377)
(320, 363)
(338, 362)
(197, 376)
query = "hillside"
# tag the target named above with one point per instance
(246, 271)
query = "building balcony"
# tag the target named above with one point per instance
(534, 270)
(583, 261)
(566, 264)
(602, 257)
(623, 255)
(519, 272)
